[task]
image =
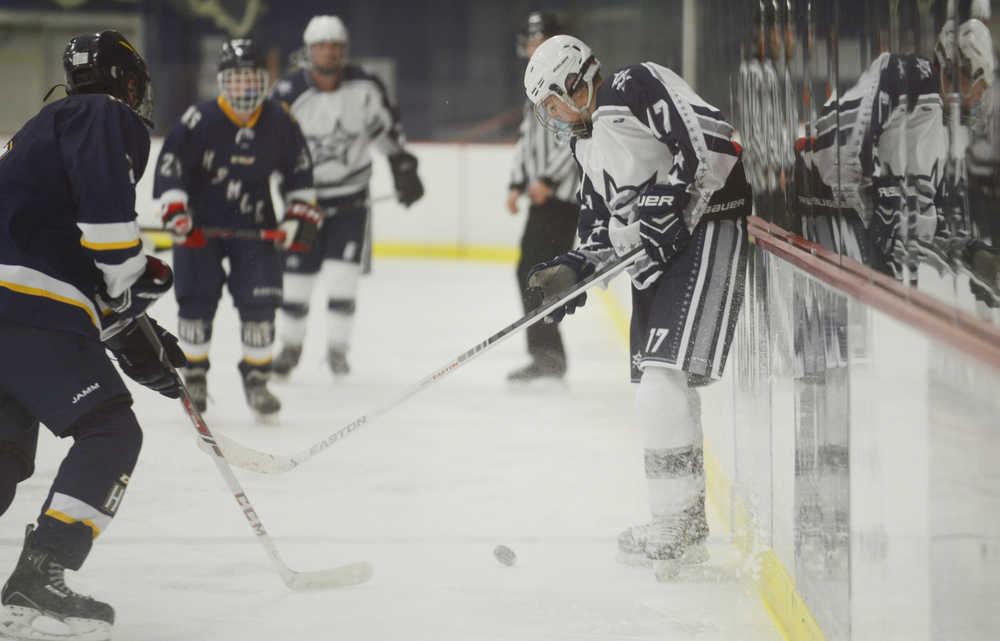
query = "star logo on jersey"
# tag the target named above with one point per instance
(333, 146)
(637, 359)
(924, 67)
(617, 197)
(620, 78)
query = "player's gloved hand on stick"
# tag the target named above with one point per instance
(178, 221)
(409, 189)
(154, 282)
(661, 221)
(549, 280)
(140, 361)
(301, 227)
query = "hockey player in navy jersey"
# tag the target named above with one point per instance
(343, 111)
(72, 280)
(213, 171)
(660, 170)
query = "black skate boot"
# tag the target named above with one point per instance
(197, 386)
(286, 360)
(667, 542)
(543, 367)
(259, 398)
(37, 593)
(336, 358)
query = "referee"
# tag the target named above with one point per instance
(543, 169)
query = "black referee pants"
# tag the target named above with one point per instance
(549, 231)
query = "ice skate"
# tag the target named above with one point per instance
(543, 368)
(39, 606)
(286, 360)
(197, 386)
(667, 542)
(337, 360)
(259, 398)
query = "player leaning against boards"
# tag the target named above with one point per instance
(73, 279)
(214, 171)
(343, 111)
(659, 169)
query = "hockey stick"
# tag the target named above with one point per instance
(265, 463)
(222, 232)
(320, 579)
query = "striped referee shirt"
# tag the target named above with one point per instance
(539, 156)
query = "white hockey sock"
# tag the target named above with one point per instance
(672, 440)
(194, 335)
(295, 311)
(341, 278)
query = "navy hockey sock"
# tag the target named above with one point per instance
(90, 484)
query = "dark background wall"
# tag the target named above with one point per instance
(455, 62)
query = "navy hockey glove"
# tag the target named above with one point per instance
(140, 362)
(550, 280)
(301, 227)
(661, 221)
(409, 189)
(153, 283)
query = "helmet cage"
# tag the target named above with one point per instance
(244, 88)
(573, 82)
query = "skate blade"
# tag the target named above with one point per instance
(28, 624)
(634, 560)
(670, 569)
(273, 418)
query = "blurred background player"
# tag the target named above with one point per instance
(342, 111)
(73, 275)
(213, 171)
(544, 169)
(659, 169)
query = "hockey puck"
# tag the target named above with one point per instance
(505, 555)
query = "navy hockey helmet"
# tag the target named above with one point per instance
(243, 77)
(539, 26)
(105, 62)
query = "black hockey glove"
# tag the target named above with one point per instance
(550, 280)
(139, 360)
(301, 227)
(409, 189)
(661, 221)
(153, 283)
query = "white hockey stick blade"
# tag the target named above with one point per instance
(342, 577)
(248, 458)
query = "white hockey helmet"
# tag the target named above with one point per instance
(559, 68)
(324, 29)
(975, 44)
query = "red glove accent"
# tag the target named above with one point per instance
(195, 239)
(301, 226)
(177, 220)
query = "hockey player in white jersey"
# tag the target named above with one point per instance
(659, 169)
(342, 111)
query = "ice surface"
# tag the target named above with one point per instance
(425, 493)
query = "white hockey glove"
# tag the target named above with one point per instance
(301, 226)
